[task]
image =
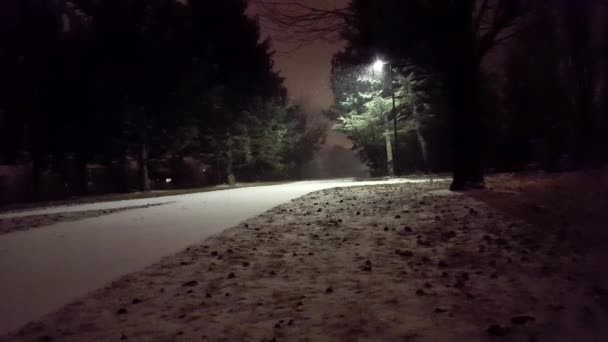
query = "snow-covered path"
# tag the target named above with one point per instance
(44, 269)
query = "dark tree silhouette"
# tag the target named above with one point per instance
(101, 81)
(555, 108)
(451, 37)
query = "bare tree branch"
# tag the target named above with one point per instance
(296, 21)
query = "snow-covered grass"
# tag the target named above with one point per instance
(22, 223)
(371, 263)
(44, 269)
(125, 196)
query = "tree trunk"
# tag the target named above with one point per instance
(247, 149)
(462, 83)
(36, 178)
(123, 173)
(144, 179)
(390, 167)
(82, 179)
(394, 117)
(468, 171)
(600, 120)
(423, 149)
(229, 160)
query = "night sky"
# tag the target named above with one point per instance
(306, 70)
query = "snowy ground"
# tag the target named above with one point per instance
(27, 222)
(385, 263)
(45, 268)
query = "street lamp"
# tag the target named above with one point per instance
(378, 66)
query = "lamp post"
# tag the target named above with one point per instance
(378, 66)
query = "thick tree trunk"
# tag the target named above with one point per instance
(462, 83)
(600, 119)
(229, 160)
(468, 171)
(423, 149)
(144, 179)
(390, 165)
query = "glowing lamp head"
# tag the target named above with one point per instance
(378, 65)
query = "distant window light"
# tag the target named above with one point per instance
(168, 180)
